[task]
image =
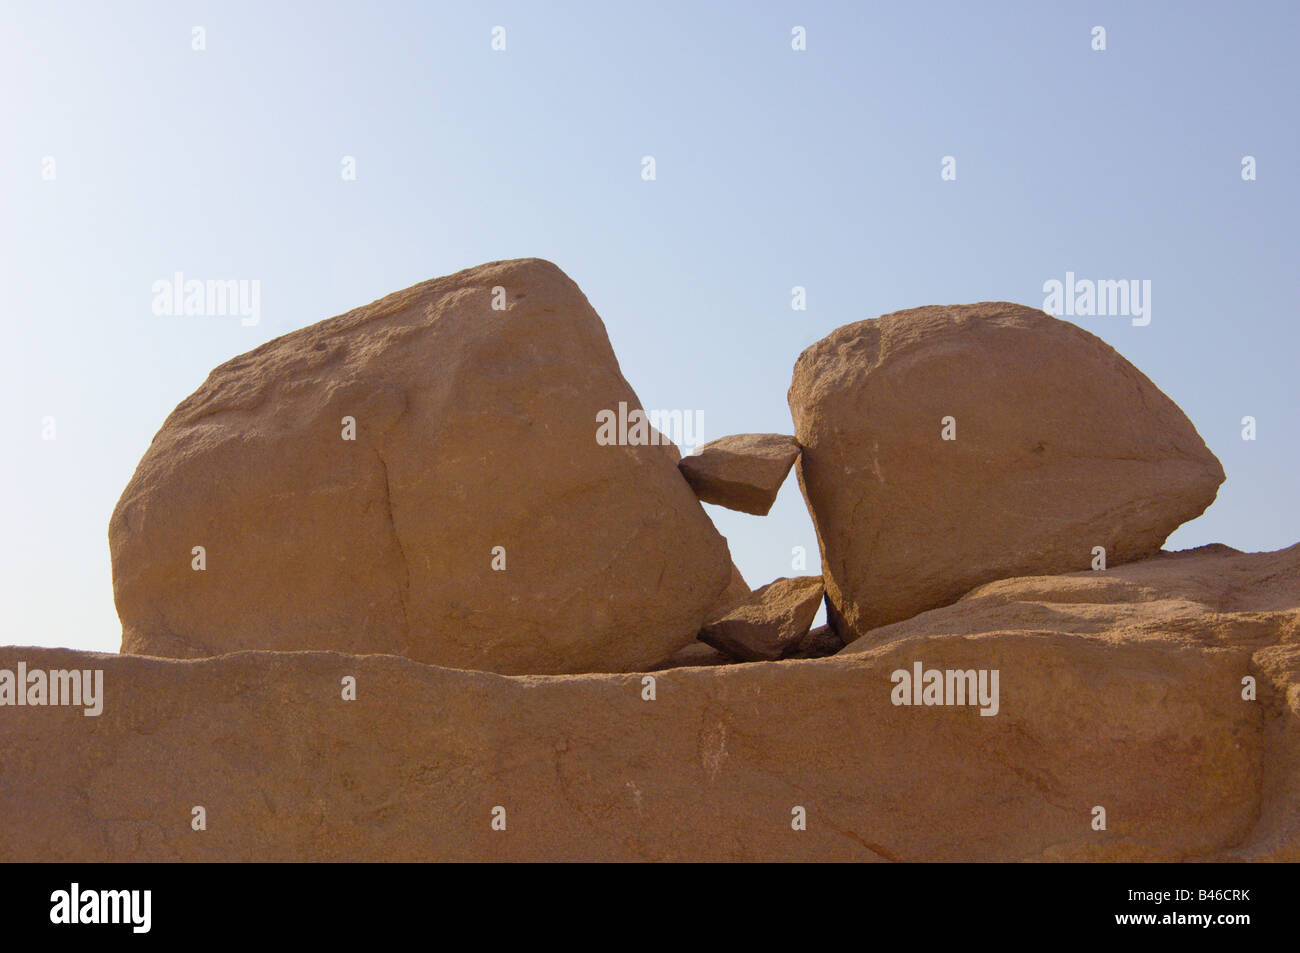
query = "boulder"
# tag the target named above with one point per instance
(769, 623)
(945, 447)
(741, 472)
(422, 477)
(1099, 704)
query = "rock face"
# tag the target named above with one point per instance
(475, 449)
(1213, 600)
(769, 623)
(1211, 596)
(741, 472)
(1100, 704)
(737, 591)
(1059, 445)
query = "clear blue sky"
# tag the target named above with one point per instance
(775, 168)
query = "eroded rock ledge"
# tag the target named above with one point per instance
(1154, 729)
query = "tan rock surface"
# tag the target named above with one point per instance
(697, 653)
(818, 643)
(769, 623)
(741, 472)
(475, 429)
(1061, 446)
(1212, 598)
(737, 591)
(710, 770)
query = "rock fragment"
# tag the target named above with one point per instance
(741, 472)
(769, 623)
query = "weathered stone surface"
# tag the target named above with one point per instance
(1209, 596)
(741, 472)
(475, 429)
(769, 623)
(697, 653)
(1061, 446)
(1212, 599)
(711, 770)
(818, 643)
(737, 591)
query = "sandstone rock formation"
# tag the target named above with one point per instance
(771, 622)
(1210, 597)
(1098, 707)
(818, 643)
(421, 478)
(945, 447)
(474, 520)
(1211, 600)
(741, 472)
(697, 653)
(737, 591)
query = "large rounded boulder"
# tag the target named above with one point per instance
(420, 476)
(946, 447)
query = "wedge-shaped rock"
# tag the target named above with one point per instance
(741, 472)
(945, 447)
(420, 476)
(769, 623)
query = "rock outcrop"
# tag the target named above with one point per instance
(420, 476)
(945, 447)
(770, 623)
(1099, 705)
(388, 574)
(1208, 597)
(741, 472)
(1213, 600)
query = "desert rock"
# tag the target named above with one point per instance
(1211, 596)
(945, 447)
(769, 623)
(1122, 689)
(737, 591)
(818, 643)
(741, 472)
(697, 653)
(420, 476)
(1212, 599)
